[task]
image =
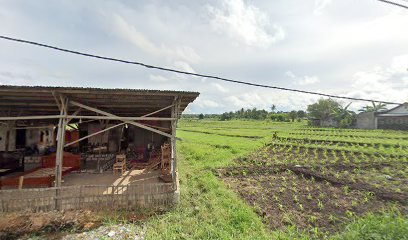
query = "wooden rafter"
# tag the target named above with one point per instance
(114, 116)
(121, 118)
(93, 134)
(149, 114)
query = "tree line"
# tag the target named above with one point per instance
(255, 114)
(325, 112)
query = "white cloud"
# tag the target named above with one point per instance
(341, 49)
(384, 29)
(206, 103)
(183, 66)
(158, 78)
(180, 78)
(320, 5)
(247, 100)
(246, 23)
(387, 83)
(399, 64)
(305, 80)
(264, 98)
(128, 31)
(370, 81)
(220, 88)
(290, 74)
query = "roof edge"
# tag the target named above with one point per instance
(61, 88)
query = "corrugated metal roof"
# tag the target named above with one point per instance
(94, 89)
(392, 115)
(39, 100)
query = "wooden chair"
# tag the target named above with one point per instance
(120, 164)
(166, 159)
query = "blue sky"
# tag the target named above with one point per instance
(348, 47)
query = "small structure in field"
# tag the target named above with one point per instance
(60, 145)
(329, 122)
(395, 118)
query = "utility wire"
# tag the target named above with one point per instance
(190, 73)
(394, 3)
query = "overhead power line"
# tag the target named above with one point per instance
(394, 3)
(191, 73)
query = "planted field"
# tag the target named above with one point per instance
(317, 182)
(285, 198)
(266, 180)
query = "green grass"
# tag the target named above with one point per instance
(210, 210)
(207, 209)
(387, 226)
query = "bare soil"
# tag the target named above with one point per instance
(55, 225)
(301, 198)
(324, 189)
(15, 225)
(364, 171)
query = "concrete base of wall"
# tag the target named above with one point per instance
(366, 121)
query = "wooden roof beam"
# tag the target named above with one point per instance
(112, 115)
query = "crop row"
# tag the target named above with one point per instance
(348, 135)
(292, 154)
(341, 142)
(376, 170)
(378, 151)
(285, 198)
(378, 132)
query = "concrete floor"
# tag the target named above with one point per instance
(109, 178)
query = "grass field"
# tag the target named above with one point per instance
(267, 180)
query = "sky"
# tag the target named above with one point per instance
(344, 47)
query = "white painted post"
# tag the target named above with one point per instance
(173, 142)
(61, 142)
(174, 114)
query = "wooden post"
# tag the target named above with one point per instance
(10, 126)
(60, 143)
(60, 150)
(20, 182)
(174, 114)
(7, 140)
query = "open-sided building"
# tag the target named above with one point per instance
(65, 136)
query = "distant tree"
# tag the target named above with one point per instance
(301, 114)
(246, 114)
(324, 109)
(293, 115)
(241, 113)
(374, 107)
(225, 116)
(330, 110)
(279, 117)
(273, 108)
(201, 116)
(345, 117)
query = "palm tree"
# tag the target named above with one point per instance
(342, 112)
(344, 117)
(374, 108)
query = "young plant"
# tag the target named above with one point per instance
(295, 199)
(320, 205)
